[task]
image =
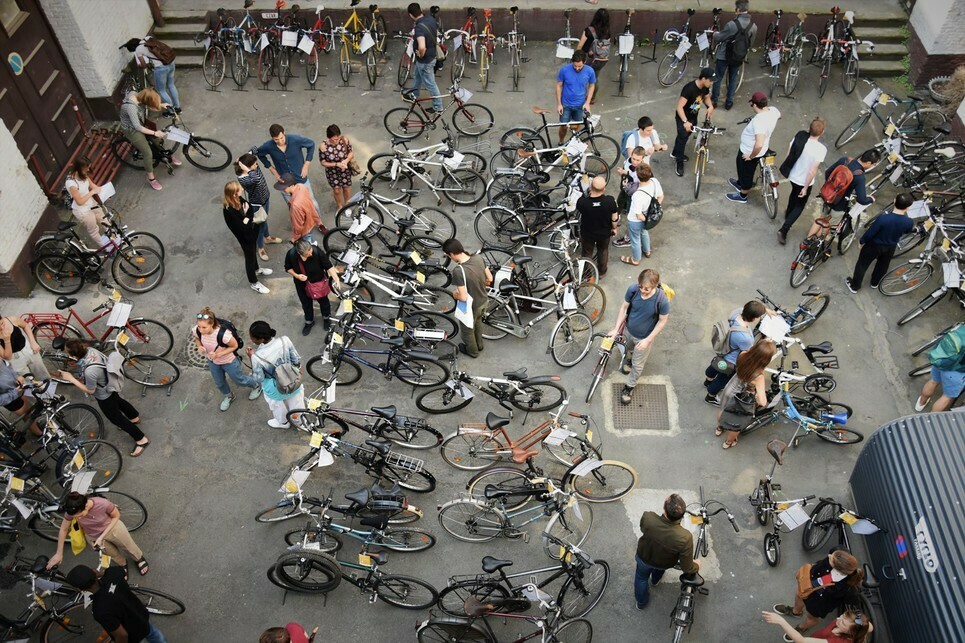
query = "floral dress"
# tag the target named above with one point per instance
(336, 176)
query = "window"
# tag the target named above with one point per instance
(11, 15)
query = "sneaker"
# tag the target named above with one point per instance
(622, 242)
(850, 285)
(307, 328)
(177, 110)
(781, 237)
(685, 158)
(328, 326)
(260, 288)
(679, 169)
(263, 271)
(728, 106)
(875, 286)
(785, 610)
(226, 402)
(625, 368)
(176, 162)
(737, 197)
(154, 184)
(255, 393)
(278, 425)
(641, 607)
(409, 95)
(712, 400)
(737, 186)
(626, 395)
(919, 405)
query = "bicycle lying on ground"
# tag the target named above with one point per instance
(514, 389)
(813, 305)
(405, 431)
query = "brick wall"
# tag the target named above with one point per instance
(925, 65)
(21, 201)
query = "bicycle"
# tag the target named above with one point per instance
(529, 394)
(625, 51)
(928, 345)
(826, 53)
(486, 41)
(671, 69)
(464, 43)
(367, 39)
(774, 50)
(215, 44)
(813, 305)
(515, 40)
(402, 430)
(767, 179)
(459, 184)
(515, 167)
(407, 287)
(607, 345)
(952, 283)
(796, 43)
(914, 273)
(203, 153)
(322, 36)
(119, 235)
(382, 162)
(603, 146)
(702, 151)
(238, 39)
(914, 125)
(470, 119)
(566, 45)
(816, 249)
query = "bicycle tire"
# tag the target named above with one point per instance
(852, 129)
(484, 58)
(917, 126)
(772, 550)
(59, 274)
(577, 630)
(573, 448)
(405, 68)
(606, 483)
(151, 371)
(207, 154)
(769, 193)
(624, 69)
(47, 331)
(848, 233)
(503, 478)
(418, 435)
(468, 184)
(602, 146)
(931, 343)
(793, 73)
(452, 599)
(515, 63)
(421, 372)
(46, 526)
(431, 223)
(158, 602)
(149, 336)
(671, 69)
(311, 66)
(284, 62)
(471, 521)
(337, 240)
(239, 65)
(538, 397)
(452, 630)
(400, 591)
(825, 76)
(910, 241)
(428, 320)
(472, 451)
(307, 571)
(371, 67)
(76, 624)
(348, 371)
(582, 592)
(572, 525)
(266, 65)
(817, 530)
(137, 270)
(473, 119)
(906, 277)
(822, 302)
(458, 64)
(103, 458)
(801, 268)
(281, 511)
(850, 75)
(80, 422)
(213, 66)
(405, 539)
(344, 61)
(599, 372)
(571, 338)
(143, 240)
(441, 400)
(404, 122)
(838, 434)
(699, 163)
(417, 481)
(923, 306)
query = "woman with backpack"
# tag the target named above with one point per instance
(92, 366)
(216, 340)
(646, 199)
(275, 364)
(745, 391)
(595, 41)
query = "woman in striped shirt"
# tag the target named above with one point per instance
(253, 181)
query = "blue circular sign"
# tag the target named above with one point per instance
(15, 61)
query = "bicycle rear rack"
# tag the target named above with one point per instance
(404, 461)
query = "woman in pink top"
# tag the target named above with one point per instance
(100, 519)
(218, 344)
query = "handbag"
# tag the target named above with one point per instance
(804, 585)
(259, 216)
(354, 168)
(315, 289)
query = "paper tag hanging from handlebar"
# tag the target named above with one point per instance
(316, 440)
(569, 300)
(365, 560)
(890, 129)
(607, 343)
(702, 41)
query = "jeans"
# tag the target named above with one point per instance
(680, 143)
(732, 71)
(423, 76)
(120, 412)
(164, 83)
(232, 370)
(719, 381)
(872, 253)
(795, 206)
(638, 358)
(641, 581)
(308, 304)
(572, 113)
(154, 635)
(602, 249)
(308, 184)
(263, 230)
(639, 238)
(745, 172)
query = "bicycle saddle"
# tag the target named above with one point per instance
(447, 154)
(517, 375)
(63, 303)
(823, 348)
(812, 291)
(404, 299)
(916, 97)
(58, 343)
(378, 557)
(373, 7)
(249, 4)
(516, 237)
(870, 580)
(944, 128)
(778, 13)
(398, 140)
(520, 456)
(506, 287)
(692, 580)
(492, 491)
(718, 11)
(395, 342)
(770, 152)
(494, 422)
(403, 224)
(40, 565)
(359, 497)
(376, 522)
(394, 490)
(408, 274)
(387, 412)
(474, 608)
(63, 236)
(691, 12)
(66, 225)
(434, 9)
(355, 3)
(521, 260)
(776, 448)
(490, 564)
(379, 445)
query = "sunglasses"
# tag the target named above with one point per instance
(204, 316)
(859, 618)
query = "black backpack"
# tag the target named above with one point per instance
(797, 147)
(739, 45)
(223, 325)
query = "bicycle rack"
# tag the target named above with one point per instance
(652, 58)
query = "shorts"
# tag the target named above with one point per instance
(571, 114)
(952, 382)
(15, 406)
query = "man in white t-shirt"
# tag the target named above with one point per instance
(646, 137)
(802, 175)
(755, 140)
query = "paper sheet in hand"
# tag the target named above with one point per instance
(289, 38)
(464, 312)
(702, 41)
(774, 327)
(919, 210)
(107, 191)
(178, 136)
(306, 44)
(793, 517)
(626, 44)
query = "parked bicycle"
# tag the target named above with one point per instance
(541, 139)
(464, 46)
(813, 305)
(514, 389)
(381, 423)
(914, 125)
(671, 69)
(470, 119)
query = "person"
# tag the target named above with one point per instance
(423, 73)
(947, 373)
(645, 311)
(801, 175)
(877, 245)
(239, 216)
(20, 348)
(11, 394)
(302, 209)
(272, 352)
(598, 222)
(291, 633)
(115, 606)
(575, 84)
(307, 264)
(628, 184)
(664, 544)
(742, 323)
(288, 155)
(692, 96)
(252, 179)
(100, 520)
(83, 204)
(646, 137)
(755, 142)
(163, 74)
(745, 392)
(852, 626)
(858, 187)
(92, 366)
(136, 132)
(470, 276)
(822, 588)
(220, 346)
(647, 189)
(335, 154)
(595, 42)
(742, 26)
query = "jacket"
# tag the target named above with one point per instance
(729, 30)
(245, 233)
(665, 544)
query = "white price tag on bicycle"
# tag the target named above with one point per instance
(367, 42)
(178, 136)
(702, 41)
(575, 506)
(457, 42)
(793, 517)
(626, 44)
(575, 147)
(120, 313)
(893, 146)
(682, 48)
(263, 41)
(919, 210)
(329, 395)
(246, 43)
(952, 274)
(562, 51)
(896, 175)
(454, 161)
(872, 97)
(569, 300)
(350, 257)
(306, 44)
(557, 437)
(360, 225)
(890, 129)
(774, 57)
(463, 94)
(409, 48)
(289, 38)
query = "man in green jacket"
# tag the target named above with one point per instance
(664, 544)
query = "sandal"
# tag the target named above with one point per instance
(728, 445)
(630, 261)
(139, 449)
(718, 432)
(142, 566)
(262, 254)
(646, 254)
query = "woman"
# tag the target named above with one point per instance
(745, 391)
(218, 344)
(100, 520)
(19, 347)
(136, 129)
(84, 206)
(241, 218)
(648, 188)
(335, 154)
(271, 352)
(851, 627)
(253, 181)
(11, 394)
(310, 267)
(595, 41)
(822, 588)
(92, 366)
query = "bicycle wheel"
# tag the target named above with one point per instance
(793, 73)
(849, 79)
(906, 277)
(213, 66)
(80, 422)
(239, 66)
(441, 400)
(452, 600)
(142, 240)
(284, 510)
(101, 457)
(515, 138)
(45, 333)
(825, 75)
(60, 274)
(346, 372)
(158, 602)
(931, 343)
(572, 525)
(406, 592)
(463, 186)
(311, 66)
(284, 62)
(405, 539)
(624, 70)
(610, 481)
(699, 163)
(852, 129)
(471, 520)
(572, 449)
(442, 630)
(772, 550)
(920, 370)
(599, 371)
(802, 266)
(420, 372)
(411, 433)
(484, 60)
(344, 61)
(428, 320)
(75, 623)
(606, 148)
(151, 371)
(916, 127)
(404, 122)
(836, 433)
(405, 68)
(671, 69)
(817, 530)
(432, 223)
(543, 396)
(769, 193)
(418, 481)
(472, 451)
(126, 153)
(458, 64)
(266, 65)
(498, 312)
(437, 300)
(594, 166)
(849, 232)
(582, 591)
(371, 67)
(137, 270)
(504, 478)
(495, 226)
(379, 31)
(207, 154)
(148, 337)
(308, 571)
(810, 309)
(577, 630)
(926, 303)
(571, 338)
(514, 58)
(473, 119)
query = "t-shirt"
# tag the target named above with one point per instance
(83, 187)
(888, 229)
(826, 634)
(596, 216)
(18, 341)
(643, 314)
(741, 338)
(471, 274)
(695, 98)
(93, 370)
(210, 344)
(646, 142)
(425, 27)
(143, 55)
(640, 201)
(296, 633)
(115, 605)
(95, 522)
(763, 123)
(813, 152)
(575, 84)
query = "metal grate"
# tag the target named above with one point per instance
(648, 409)
(190, 356)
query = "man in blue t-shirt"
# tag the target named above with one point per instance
(574, 90)
(742, 321)
(879, 243)
(645, 311)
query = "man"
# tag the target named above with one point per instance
(664, 544)
(755, 141)
(802, 173)
(628, 181)
(645, 310)
(742, 323)
(575, 84)
(879, 241)
(947, 370)
(598, 222)
(163, 74)
(740, 28)
(858, 187)
(469, 276)
(114, 605)
(692, 96)
(425, 57)
(645, 136)
(288, 154)
(301, 208)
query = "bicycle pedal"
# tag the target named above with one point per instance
(703, 590)
(776, 487)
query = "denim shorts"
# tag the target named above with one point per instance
(571, 114)
(952, 381)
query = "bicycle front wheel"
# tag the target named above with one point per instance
(137, 269)
(906, 277)
(158, 602)
(213, 66)
(852, 129)
(916, 127)
(463, 186)
(495, 226)
(699, 162)
(441, 400)
(926, 303)
(207, 154)
(417, 481)
(406, 592)
(609, 481)
(671, 69)
(371, 67)
(421, 372)
(266, 65)
(151, 371)
(472, 119)
(76, 623)
(571, 525)
(825, 76)
(583, 590)
(239, 65)
(149, 337)
(809, 310)
(405, 68)
(607, 149)
(471, 521)
(132, 510)
(577, 630)
(543, 396)
(80, 422)
(404, 122)
(793, 74)
(818, 528)
(472, 451)
(849, 78)
(571, 338)
(346, 372)
(344, 61)
(60, 274)
(103, 458)
(848, 233)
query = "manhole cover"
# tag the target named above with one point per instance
(647, 410)
(189, 355)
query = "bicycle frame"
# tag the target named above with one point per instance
(523, 330)
(531, 438)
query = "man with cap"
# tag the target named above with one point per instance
(114, 605)
(692, 96)
(301, 208)
(755, 140)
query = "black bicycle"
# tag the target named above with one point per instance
(203, 153)
(813, 305)
(515, 389)
(381, 423)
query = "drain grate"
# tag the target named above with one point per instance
(190, 356)
(648, 410)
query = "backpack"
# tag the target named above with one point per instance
(600, 49)
(113, 366)
(625, 138)
(797, 148)
(223, 325)
(949, 354)
(160, 50)
(739, 45)
(720, 336)
(286, 375)
(837, 183)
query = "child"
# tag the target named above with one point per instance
(629, 177)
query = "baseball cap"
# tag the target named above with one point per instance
(706, 72)
(284, 181)
(82, 577)
(759, 99)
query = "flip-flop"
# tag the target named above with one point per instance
(629, 261)
(142, 567)
(137, 454)
(728, 445)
